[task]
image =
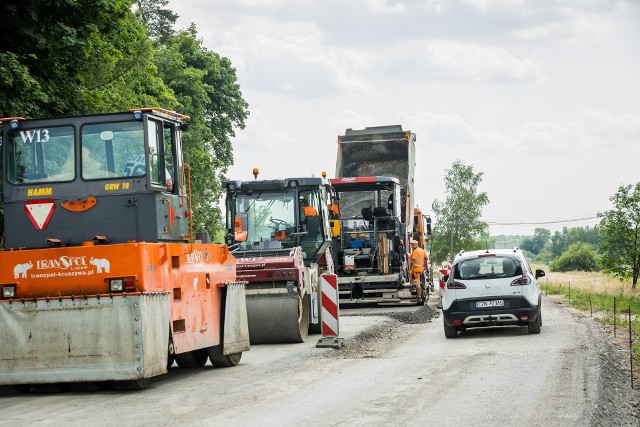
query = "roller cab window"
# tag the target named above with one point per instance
(43, 154)
(113, 150)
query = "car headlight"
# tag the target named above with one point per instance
(116, 285)
(8, 291)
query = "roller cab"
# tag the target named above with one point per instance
(280, 235)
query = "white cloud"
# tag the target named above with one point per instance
(441, 130)
(491, 5)
(350, 119)
(480, 63)
(586, 131)
(382, 7)
(571, 27)
(453, 61)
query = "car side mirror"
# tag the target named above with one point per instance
(445, 278)
(539, 273)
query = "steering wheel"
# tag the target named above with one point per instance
(278, 222)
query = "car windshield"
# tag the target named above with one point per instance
(488, 267)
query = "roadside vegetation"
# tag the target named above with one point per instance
(601, 296)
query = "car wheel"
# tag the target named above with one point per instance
(449, 331)
(534, 327)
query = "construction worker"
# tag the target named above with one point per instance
(306, 209)
(334, 208)
(416, 266)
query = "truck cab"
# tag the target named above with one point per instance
(370, 243)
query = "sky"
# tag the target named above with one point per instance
(542, 97)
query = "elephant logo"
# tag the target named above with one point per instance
(20, 270)
(101, 264)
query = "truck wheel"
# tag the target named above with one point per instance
(192, 359)
(220, 360)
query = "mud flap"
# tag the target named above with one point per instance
(314, 311)
(236, 325)
(84, 339)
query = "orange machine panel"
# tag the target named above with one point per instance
(193, 275)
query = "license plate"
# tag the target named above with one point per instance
(488, 304)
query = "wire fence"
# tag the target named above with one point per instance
(620, 311)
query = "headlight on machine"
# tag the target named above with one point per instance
(116, 285)
(8, 291)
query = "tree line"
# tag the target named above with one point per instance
(74, 57)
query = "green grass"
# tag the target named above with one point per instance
(603, 303)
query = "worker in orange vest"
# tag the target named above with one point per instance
(334, 208)
(306, 209)
(416, 266)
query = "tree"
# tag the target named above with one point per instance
(560, 241)
(206, 87)
(157, 18)
(578, 257)
(620, 234)
(537, 242)
(76, 57)
(458, 225)
(72, 57)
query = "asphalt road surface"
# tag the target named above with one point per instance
(396, 368)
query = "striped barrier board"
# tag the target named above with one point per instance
(330, 312)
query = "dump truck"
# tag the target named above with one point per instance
(374, 188)
(102, 280)
(279, 233)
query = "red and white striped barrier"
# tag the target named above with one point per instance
(330, 312)
(445, 272)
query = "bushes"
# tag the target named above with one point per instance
(578, 257)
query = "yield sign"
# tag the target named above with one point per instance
(40, 212)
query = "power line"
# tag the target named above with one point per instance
(542, 222)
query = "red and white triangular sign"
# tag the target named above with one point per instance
(40, 212)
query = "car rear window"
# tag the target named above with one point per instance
(490, 267)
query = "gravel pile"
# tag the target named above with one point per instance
(375, 341)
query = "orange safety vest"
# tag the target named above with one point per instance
(419, 257)
(309, 211)
(333, 209)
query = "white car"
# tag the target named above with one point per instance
(491, 287)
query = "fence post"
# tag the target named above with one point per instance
(591, 305)
(615, 316)
(630, 348)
